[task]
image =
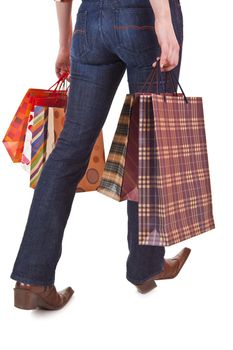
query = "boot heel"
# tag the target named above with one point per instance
(25, 299)
(146, 286)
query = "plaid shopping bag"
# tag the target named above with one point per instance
(112, 177)
(158, 158)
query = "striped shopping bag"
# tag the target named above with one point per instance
(38, 143)
(48, 123)
(158, 158)
(14, 137)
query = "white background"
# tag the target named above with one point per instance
(193, 311)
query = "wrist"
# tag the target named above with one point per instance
(163, 21)
(64, 47)
(65, 41)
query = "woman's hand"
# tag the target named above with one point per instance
(168, 43)
(165, 34)
(63, 62)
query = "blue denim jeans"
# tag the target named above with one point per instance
(110, 37)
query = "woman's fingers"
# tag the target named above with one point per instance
(169, 45)
(170, 60)
(155, 62)
(169, 56)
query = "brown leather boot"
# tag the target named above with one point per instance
(30, 297)
(171, 269)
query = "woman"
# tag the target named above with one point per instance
(109, 37)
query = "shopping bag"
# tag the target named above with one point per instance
(158, 158)
(111, 180)
(32, 134)
(48, 123)
(26, 153)
(14, 137)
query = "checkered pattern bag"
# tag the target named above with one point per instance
(111, 182)
(164, 165)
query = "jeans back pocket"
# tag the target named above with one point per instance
(134, 28)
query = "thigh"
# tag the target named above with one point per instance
(92, 88)
(95, 74)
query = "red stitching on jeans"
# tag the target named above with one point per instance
(79, 30)
(134, 26)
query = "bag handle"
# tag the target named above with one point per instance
(60, 82)
(172, 77)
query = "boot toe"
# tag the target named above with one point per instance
(66, 294)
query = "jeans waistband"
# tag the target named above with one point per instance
(123, 3)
